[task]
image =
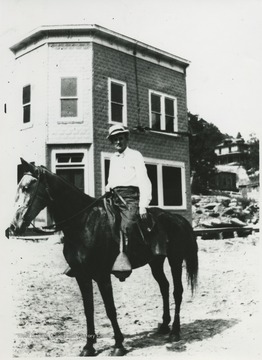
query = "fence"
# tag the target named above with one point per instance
(225, 232)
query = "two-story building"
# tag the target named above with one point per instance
(231, 175)
(73, 82)
(231, 151)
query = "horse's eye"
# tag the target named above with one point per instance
(25, 189)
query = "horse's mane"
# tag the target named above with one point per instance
(67, 184)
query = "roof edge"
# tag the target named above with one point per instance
(92, 29)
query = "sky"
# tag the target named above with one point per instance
(221, 39)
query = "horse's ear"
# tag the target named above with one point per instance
(27, 167)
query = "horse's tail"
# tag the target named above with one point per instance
(185, 245)
(191, 257)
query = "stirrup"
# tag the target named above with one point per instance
(122, 267)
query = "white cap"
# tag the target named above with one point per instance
(117, 129)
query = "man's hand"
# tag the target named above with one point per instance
(143, 213)
(108, 194)
(145, 219)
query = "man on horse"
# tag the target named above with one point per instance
(128, 185)
(128, 181)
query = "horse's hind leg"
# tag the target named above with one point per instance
(159, 275)
(176, 269)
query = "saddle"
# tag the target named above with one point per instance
(149, 237)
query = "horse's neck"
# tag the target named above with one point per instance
(66, 200)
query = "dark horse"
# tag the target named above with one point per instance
(91, 250)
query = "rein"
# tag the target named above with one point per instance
(57, 226)
(51, 229)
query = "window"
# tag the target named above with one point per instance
(70, 166)
(155, 112)
(106, 170)
(152, 174)
(167, 178)
(69, 99)
(117, 101)
(163, 112)
(224, 151)
(26, 104)
(172, 186)
(168, 184)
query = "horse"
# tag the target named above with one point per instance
(91, 250)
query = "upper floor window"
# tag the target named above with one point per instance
(69, 99)
(26, 104)
(224, 151)
(117, 101)
(163, 112)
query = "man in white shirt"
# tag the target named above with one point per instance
(130, 182)
(128, 178)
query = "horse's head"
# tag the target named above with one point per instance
(31, 198)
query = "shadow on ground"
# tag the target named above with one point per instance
(197, 331)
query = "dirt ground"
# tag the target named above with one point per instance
(220, 321)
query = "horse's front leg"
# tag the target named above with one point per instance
(86, 288)
(105, 287)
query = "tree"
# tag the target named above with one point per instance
(252, 161)
(205, 137)
(239, 136)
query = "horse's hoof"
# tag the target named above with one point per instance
(163, 329)
(88, 352)
(174, 337)
(118, 351)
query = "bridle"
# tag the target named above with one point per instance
(38, 177)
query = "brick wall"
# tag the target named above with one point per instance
(111, 63)
(93, 64)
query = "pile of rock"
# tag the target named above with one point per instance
(223, 211)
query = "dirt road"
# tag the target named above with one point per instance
(219, 321)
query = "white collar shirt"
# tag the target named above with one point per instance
(128, 169)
